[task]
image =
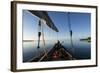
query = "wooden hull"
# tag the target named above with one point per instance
(57, 53)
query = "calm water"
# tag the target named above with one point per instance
(80, 50)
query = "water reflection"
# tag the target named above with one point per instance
(80, 50)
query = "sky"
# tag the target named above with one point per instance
(80, 25)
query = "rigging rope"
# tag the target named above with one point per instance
(57, 36)
(39, 33)
(45, 52)
(43, 35)
(71, 33)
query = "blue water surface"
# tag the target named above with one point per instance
(79, 50)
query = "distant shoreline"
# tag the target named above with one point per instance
(88, 39)
(28, 40)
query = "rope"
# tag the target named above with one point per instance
(43, 36)
(39, 34)
(43, 40)
(57, 36)
(70, 30)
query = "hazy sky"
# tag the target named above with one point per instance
(80, 25)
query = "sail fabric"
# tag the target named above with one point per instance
(44, 15)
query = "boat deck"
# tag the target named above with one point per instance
(57, 53)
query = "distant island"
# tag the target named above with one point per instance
(88, 39)
(28, 40)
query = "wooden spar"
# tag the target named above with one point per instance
(44, 15)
